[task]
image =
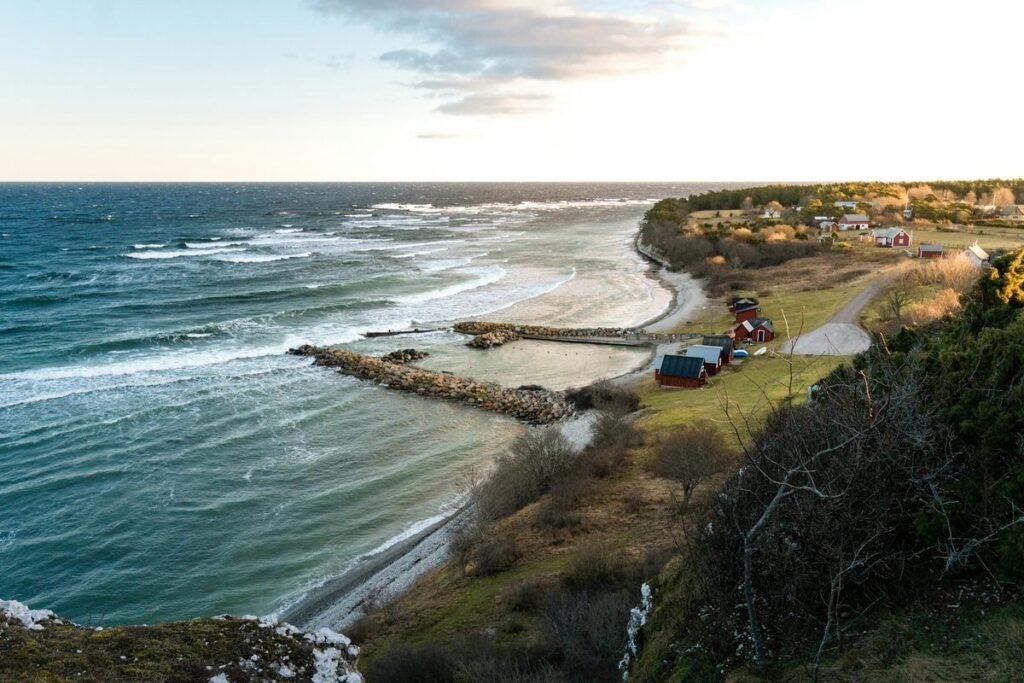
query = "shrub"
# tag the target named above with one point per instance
(494, 556)
(597, 567)
(588, 630)
(403, 664)
(604, 396)
(526, 595)
(559, 510)
(534, 462)
(689, 455)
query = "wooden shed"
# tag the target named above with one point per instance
(724, 342)
(758, 329)
(681, 371)
(712, 356)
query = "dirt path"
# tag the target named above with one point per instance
(840, 336)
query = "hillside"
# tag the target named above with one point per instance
(37, 645)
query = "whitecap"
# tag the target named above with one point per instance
(178, 254)
(262, 258)
(485, 277)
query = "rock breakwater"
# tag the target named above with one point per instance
(487, 335)
(534, 407)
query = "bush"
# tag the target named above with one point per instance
(494, 556)
(559, 510)
(689, 455)
(596, 567)
(589, 632)
(526, 595)
(534, 462)
(604, 396)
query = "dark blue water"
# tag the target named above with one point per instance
(161, 457)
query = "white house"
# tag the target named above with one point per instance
(976, 255)
(854, 221)
(1014, 213)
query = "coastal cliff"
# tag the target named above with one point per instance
(37, 645)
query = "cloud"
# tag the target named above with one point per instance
(489, 57)
(438, 136)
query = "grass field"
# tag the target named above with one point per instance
(749, 389)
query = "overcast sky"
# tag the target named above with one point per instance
(510, 89)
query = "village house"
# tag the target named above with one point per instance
(930, 251)
(845, 204)
(725, 343)
(976, 255)
(1014, 212)
(712, 356)
(854, 221)
(887, 237)
(828, 226)
(744, 307)
(680, 371)
(757, 329)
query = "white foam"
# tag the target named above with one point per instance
(484, 278)
(262, 258)
(179, 254)
(148, 246)
(421, 253)
(287, 230)
(212, 245)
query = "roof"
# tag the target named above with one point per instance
(854, 218)
(887, 233)
(844, 202)
(1013, 210)
(742, 300)
(751, 325)
(682, 366)
(978, 251)
(720, 340)
(930, 247)
(710, 354)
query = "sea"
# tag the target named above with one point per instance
(162, 457)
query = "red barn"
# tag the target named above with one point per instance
(711, 355)
(724, 342)
(680, 371)
(758, 329)
(929, 251)
(889, 237)
(744, 307)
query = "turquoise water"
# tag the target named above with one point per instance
(161, 457)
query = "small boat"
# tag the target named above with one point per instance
(761, 351)
(740, 353)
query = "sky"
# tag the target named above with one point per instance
(510, 90)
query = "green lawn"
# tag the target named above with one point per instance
(748, 389)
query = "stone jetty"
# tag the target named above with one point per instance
(529, 405)
(487, 335)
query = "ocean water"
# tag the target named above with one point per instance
(160, 455)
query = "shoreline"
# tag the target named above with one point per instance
(385, 574)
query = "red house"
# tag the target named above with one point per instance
(711, 355)
(680, 371)
(744, 307)
(758, 329)
(724, 342)
(888, 237)
(929, 251)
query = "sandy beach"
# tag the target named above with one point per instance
(387, 573)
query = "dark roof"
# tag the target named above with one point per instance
(720, 340)
(682, 366)
(742, 301)
(763, 322)
(931, 247)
